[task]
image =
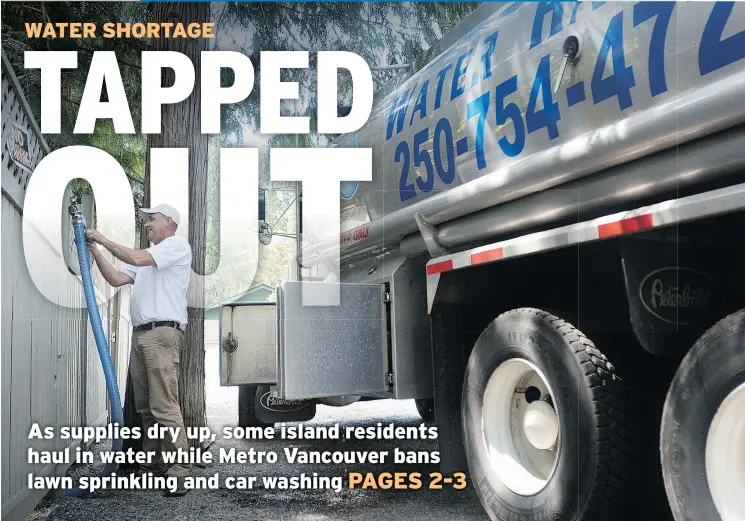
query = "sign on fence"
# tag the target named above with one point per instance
(18, 147)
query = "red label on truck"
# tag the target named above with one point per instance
(355, 235)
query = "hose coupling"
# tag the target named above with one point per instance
(76, 211)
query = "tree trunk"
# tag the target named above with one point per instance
(131, 417)
(181, 129)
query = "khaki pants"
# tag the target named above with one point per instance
(154, 366)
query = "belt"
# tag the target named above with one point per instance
(153, 325)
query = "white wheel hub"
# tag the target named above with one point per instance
(521, 427)
(725, 457)
(541, 425)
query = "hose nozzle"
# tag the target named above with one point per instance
(76, 210)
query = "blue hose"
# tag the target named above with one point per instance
(103, 349)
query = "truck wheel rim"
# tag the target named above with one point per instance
(518, 414)
(725, 457)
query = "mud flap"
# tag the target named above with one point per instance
(275, 410)
(675, 292)
(449, 362)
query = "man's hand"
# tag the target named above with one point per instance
(110, 273)
(94, 236)
(128, 255)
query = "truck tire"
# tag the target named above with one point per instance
(703, 427)
(247, 407)
(426, 408)
(544, 423)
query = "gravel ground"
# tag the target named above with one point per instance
(269, 504)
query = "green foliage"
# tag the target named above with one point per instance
(129, 150)
(382, 33)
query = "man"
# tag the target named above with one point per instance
(160, 275)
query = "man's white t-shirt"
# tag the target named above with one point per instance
(159, 292)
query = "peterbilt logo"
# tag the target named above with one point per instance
(278, 405)
(680, 296)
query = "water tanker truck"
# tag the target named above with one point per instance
(549, 259)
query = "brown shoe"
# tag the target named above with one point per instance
(157, 472)
(181, 490)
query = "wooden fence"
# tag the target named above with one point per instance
(51, 374)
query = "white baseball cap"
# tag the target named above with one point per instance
(165, 209)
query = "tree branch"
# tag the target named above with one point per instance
(122, 62)
(44, 10)
(296, 40)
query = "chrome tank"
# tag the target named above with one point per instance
(494, 119)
